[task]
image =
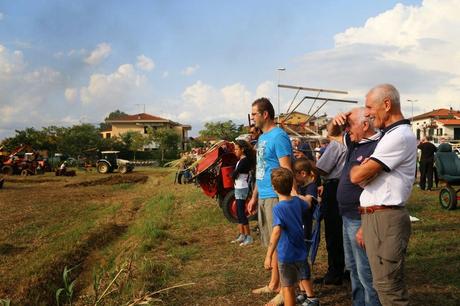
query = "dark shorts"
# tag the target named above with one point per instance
(292, 273)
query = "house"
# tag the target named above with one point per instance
(303, 124)
(141, 123)
(438, 123)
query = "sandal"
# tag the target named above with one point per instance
(263, 290)
(278, 300)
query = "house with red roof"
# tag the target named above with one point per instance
(141, 123)
(438, 123)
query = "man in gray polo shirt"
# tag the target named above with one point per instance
(387, 177)
(330, 167)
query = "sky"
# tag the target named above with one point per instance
(70, 62)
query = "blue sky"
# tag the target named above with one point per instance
(64, 62)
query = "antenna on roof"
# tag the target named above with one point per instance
(139, 104)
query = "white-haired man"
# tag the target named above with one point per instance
(387, 177)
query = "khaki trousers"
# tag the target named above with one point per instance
(386, 236)
(265, 219)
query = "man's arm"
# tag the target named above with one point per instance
(336, 126)
(365, 172)
(275, 237)
(252, 204)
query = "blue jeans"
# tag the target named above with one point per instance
(362, 291)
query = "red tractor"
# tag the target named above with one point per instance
(23, 164)
(213, 174)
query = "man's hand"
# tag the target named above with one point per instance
(334, 128)
(341, 119)
(298, 154)
(360, 238)
(268, 263)
(320, 190)
(252, 206)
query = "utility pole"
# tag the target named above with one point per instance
(279, 77)
(412, 103)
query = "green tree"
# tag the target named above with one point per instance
(226, 130)
(167, 139)
(79, 139)
(134, 141)
(104, 126)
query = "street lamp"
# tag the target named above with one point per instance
(412, 103)
(279, 77)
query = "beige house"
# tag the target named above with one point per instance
(141, 123)
(436, 124)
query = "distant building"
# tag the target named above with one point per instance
(141, 123)
(437, 123)
(303, 124)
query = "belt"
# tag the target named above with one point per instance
(374, 208)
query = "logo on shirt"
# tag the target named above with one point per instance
(360, 158)
(260, 163)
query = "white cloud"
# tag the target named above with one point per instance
(71, 94)
(10, 62)
(110, 91)
(414, 47)
(190, 70)
(231, 102)
(165, 74)
(266, 89)
(25, 92)
(2, 16)
(101, 52)
(145, 63)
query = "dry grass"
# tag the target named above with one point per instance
(158, 235)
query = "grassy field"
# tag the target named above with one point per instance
(127, 238)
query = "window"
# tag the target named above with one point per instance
(108, 135)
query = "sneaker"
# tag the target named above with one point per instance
(311, 302)
(239, 239)
(247, 240)
(301, 298)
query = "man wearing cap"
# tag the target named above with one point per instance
(387, 177)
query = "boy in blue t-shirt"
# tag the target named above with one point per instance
(288, 238)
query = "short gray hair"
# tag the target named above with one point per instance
(361, 116)
(383, 91)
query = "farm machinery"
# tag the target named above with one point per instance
(27, 163)
(110, 162)
(213, 175)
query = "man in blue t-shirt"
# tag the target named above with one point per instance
(288, 239)
(273, 150)
(360, 139)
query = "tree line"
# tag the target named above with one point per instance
(79, 140)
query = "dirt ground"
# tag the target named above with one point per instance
(48, 222)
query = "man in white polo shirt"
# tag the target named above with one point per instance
(387, 177)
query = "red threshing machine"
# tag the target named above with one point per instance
(213, 174)
(26, 164)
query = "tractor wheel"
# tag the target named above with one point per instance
(229, 208)
(448, 198)
(7, 170)
(103, 168)
(25, 172)
(123, 169)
